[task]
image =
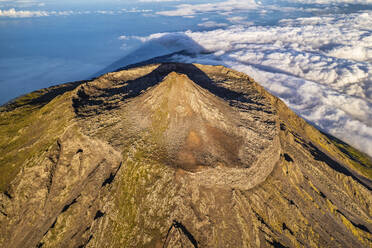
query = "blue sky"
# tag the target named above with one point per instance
(316, 55)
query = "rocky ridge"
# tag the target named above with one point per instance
(175, 155)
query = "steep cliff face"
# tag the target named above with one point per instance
(175, 155)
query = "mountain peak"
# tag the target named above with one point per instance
(199, 129)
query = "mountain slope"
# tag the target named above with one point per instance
(176, 155)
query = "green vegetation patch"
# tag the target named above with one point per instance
(28, 130)
(143, 199)
(361, 161)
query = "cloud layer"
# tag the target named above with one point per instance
(331, 1)
(13, 13)
(22, 13)
(320, 66)
(221, 7)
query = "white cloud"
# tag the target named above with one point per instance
(135, 10)
(13, 13)
(181, 11)
(321, 67)
(331, 1)
(157, 1)
(239, 20)
(212, 24)
(236, 19)
(221, 7)
(105, 12)
(22, 13)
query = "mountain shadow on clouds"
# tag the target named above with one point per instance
(160, 48)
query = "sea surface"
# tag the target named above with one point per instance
(316, 55)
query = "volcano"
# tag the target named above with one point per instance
(175, 155)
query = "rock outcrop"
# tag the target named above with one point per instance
(175, 155)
